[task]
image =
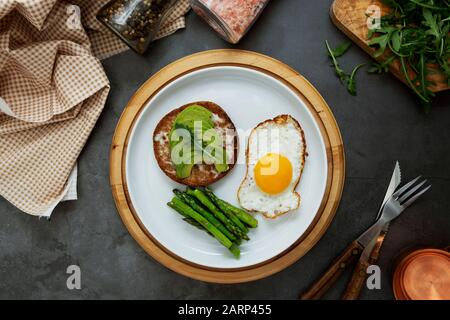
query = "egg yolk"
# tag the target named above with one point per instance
(273, 173)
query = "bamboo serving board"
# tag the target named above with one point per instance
(351, 18)
(317, 106)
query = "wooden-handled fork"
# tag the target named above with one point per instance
(363, 246)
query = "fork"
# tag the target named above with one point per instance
(395, 205)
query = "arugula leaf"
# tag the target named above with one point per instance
(351, 82)
(446, 68)
(427, 5)
(381, 67)
(341, 49)
(431, 22)
(348, 79)
(411, 84)
(382, 40)
(396, 40)
(375, 68)
(416, 33)
(338, 70)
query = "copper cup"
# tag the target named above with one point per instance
(423, 275)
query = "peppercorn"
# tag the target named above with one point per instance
(135, 21)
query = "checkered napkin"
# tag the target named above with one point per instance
(52, 90)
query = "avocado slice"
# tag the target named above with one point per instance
(186, 119)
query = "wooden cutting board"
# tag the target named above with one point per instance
(351, 18)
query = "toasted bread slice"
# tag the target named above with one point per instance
(202, 174)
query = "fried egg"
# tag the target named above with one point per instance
(275, 158)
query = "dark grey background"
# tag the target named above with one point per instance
(382, 124)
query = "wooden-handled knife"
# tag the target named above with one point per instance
(371, 253)
(364, 247)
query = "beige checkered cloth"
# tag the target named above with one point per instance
(52, 90)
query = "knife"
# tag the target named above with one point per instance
(396, 179)
(371, 252)
(351, 253)
(378, 242)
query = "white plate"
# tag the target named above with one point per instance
(249, 97)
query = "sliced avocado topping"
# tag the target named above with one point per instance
(196, 120)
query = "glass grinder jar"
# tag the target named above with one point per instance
(230, 18)
(136, 22)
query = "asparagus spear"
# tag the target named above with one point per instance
(184, 209)
(234, 249)
(241, 214)
(208, 216)
(198, 194)
(191, 221)
(225, 209)
(195, 224)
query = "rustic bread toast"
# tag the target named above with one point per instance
(202, 174)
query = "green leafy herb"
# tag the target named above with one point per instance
(382, 66)
(417, 34)
(338, 70)
(351, 82)
(347, 79)
(382, 40)
(340, 50)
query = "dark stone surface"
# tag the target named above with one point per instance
(382, 124)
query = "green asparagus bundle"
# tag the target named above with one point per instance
(203, 198)
(230, 215)
(232, 210)
(194, 205)
(204, 210)
(186, 210)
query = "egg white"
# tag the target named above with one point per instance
(282, 135)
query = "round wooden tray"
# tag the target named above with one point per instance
(274, 68)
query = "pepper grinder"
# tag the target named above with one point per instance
(136, 22)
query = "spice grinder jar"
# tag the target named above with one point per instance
(423, 275)
(136, 22)
(230, 18)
